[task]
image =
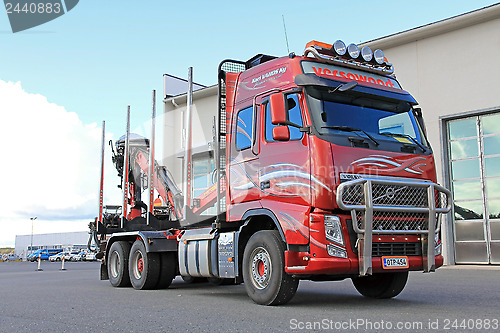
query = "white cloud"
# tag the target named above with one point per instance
(49, 166)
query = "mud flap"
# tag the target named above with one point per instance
(104, 272)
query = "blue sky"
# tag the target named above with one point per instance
(92, 62)
(104, 55)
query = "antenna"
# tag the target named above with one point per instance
(286, 37)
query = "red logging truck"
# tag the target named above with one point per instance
(322, 172)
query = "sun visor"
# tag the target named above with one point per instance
(311, 79)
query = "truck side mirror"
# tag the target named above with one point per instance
(281, 133)
(278, 110)
(420, 119)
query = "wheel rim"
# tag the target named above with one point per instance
(114, 264)
(261, 268)
(137, 265)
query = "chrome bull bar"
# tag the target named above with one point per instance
(402, 202)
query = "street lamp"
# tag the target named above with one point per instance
(32, 219)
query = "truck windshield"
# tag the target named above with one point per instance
(373, 117)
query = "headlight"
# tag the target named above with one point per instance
(333, 229)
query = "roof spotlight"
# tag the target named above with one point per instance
(339, 48)
(366, 53)
(353, 51)
(379, 56)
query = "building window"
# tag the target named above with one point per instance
(203, 168)
(474, 152)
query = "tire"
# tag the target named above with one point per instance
(118, 264)
(383, 285)
(144, 268)
(168, 269)
(266, 281)
(58, 259)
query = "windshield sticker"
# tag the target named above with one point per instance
(332, 72)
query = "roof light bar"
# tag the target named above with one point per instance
(351, 56)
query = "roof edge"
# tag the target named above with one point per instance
(435, 28)
(197, 94)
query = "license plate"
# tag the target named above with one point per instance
(395, 262)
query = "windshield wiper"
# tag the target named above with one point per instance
(407, 137)
(352, 129)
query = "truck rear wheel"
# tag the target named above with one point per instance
(118, 264)
(266, 281)
(168, 269)
(144, 268)
(384, 285)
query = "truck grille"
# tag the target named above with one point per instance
(397, 206)
(387, 195)
(396, 249)
(395, 221)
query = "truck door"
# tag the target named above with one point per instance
(284, 171)
(244, 191)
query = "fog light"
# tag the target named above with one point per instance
(336, 251)
(353, 51)
(333, 229)
(366, 53)
(379, 56)
(339, 48)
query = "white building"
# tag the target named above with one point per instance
(452, 70)
(65, 240)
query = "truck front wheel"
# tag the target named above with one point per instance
(384, 285)
(118, 264)
(144, 268)
(266, 281)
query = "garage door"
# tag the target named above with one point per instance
(474, 149)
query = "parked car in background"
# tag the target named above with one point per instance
(59, 256)
(12, 257)
(75, 256)
(44, 254)
(90, 256)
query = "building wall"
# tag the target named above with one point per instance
(450, 68)
(450, 74)
(203, 110)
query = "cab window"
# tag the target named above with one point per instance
(244, 128)
(294, 115)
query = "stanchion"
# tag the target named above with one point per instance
(39, 263)
(62, 265)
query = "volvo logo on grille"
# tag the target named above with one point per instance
(390, 193)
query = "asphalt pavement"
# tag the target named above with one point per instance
(457, 298)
